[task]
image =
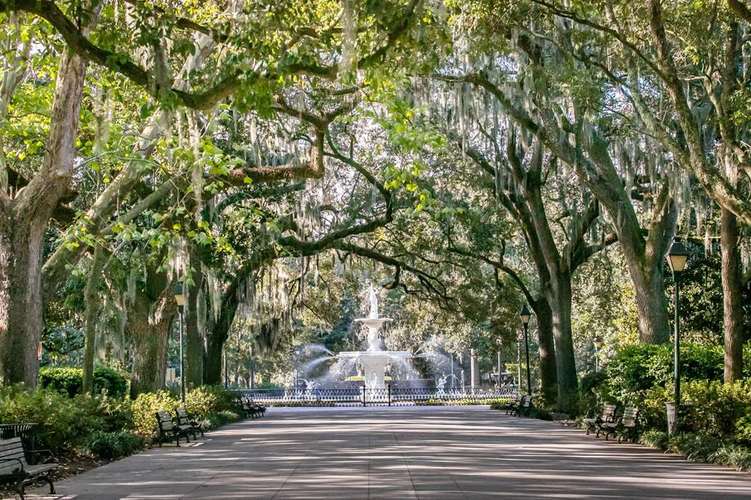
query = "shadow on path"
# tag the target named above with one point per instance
(418, 452)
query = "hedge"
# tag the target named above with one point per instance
(69, 380)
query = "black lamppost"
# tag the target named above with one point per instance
(677, 259)
(525, 315)
(498, 342)
(180, 299)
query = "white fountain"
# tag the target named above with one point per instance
(375, 359)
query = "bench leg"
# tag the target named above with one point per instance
(49, 480)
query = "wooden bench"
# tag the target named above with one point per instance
(627, 427)
(169, 430)
(513, 405)
(251, 409)
(16, 470)
(184, 420)
(606, 417)
(524, 407)
(617, 425)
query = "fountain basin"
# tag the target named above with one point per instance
(374, 364)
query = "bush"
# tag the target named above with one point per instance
(655, 439)
(204, 403)
(144, 409)
(111, 445)
(733, 455)
(205, 400)
(62, 423)
(219, 419)
(714, 408)
(110, 380)
(638, 368)
(69, 380)
(695, 447)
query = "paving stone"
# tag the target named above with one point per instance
(421, 453)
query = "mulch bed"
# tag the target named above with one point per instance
(67, 466)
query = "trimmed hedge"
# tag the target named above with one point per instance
(69, 380)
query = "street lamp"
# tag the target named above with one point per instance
(677, 259)
(180, 299)
(499, 342)
(598, 347)
(525, 315)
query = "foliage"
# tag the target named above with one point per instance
(62, 421)
(112, 445)
(695, 447)
(655, 439)
(733, 455)
(69, 380)
(638, 368)
(207, 400)
(145, 407)
(204, 403)
(699, 447)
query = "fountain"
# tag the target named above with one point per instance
(375, 359)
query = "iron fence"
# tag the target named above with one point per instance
(388, 396)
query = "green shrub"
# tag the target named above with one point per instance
(110, 380)
(655, 439)
(62, 423)
(111, 445)
(111, 414)
(69, 380)
(733, 455)
(743, 429)
(695, 447)
(638, 368)
(219, 419)
(144, 409)
(205, 400)
(713, 407)
(591, 393)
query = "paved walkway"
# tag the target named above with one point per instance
(419, 452)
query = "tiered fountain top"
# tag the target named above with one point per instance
(373, 322)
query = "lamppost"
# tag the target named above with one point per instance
(525, 315)
(677, 259)
(598, 347)
(498, 342)
(180, 299)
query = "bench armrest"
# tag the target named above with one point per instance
(44, 455)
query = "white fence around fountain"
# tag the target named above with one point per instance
(389, 396)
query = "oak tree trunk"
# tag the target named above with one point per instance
(91, 314)
(546, 346)
(24, 221)
(20, 300)
(651, 302)
(732, 283)
(560, 300)
(195, 349)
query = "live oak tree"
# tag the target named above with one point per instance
(147, 45)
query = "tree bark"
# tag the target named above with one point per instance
(546, 346)
(217, 335)
(150, 338)
(24, 221)
(150, 320)
(560, 296)
(91, 301)
(195, 349)
(732, 283)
